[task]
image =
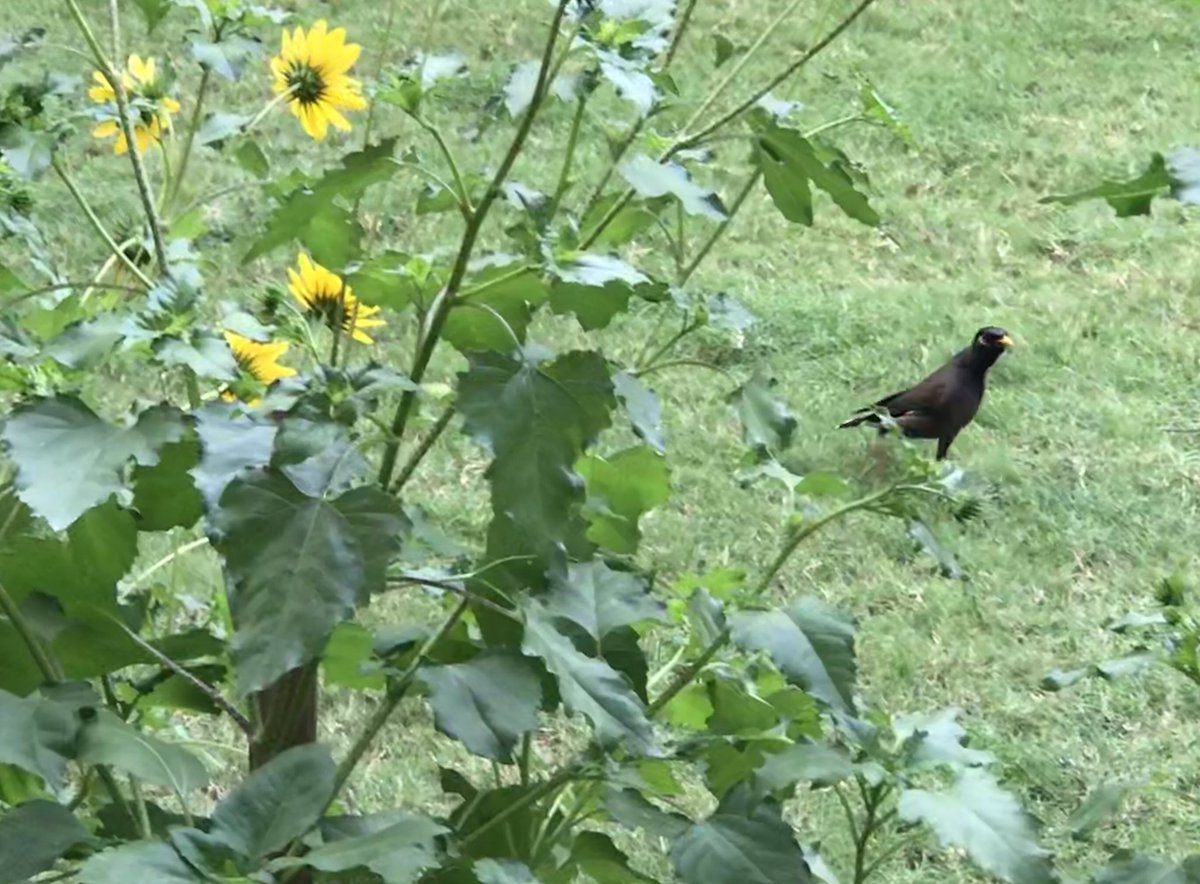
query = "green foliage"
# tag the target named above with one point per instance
(1176, 176)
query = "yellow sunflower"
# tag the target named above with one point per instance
(312, 67)
(319, 292)
(258, 361)
(150, 106)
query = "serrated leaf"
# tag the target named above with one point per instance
(106, 739)
(924, 537)
(68, 459)
(804, 762)
(28, 153)
(629, 79)
(37, 735)
(875, 108)
(35, 834)
(164, 495)
(643, 409)
(600, 599)
(536, 417)
(220, 127)
(251, 158)
(205, 354)
(300, 564)
(153, 11)
(810, 642)
(652, 179)
(1100, 804)
(767, 424)
(138, 861)
(987, 822)
(936, 739)
(399, 853)
(230, 445)
(84, 344)
(276, 803)
(596, 288)
(487, 703)
(631, 809)
(729, 313)
(747, 845)
(309, 214)
(1127, 198)
(589, 686)
(595, 854)
(790, 162)
(621, 489)
(502, 289)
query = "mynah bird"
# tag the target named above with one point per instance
(946, 401)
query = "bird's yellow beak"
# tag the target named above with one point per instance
(1005, 342)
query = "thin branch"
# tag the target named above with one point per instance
(10, 610)
(167, 559)
(820, 46)
(564, 175)
(433, 331)
(97, 225)
(747, 188)
(461, 591)
(464, 195)
(680, 29)
(190, 138)
(208, 690)
(675, 363)
(422, 449)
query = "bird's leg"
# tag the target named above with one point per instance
(944, 446)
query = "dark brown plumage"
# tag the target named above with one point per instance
(946, 401)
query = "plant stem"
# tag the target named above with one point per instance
(685, 19)
(428, 340)
(747, 188)
(887, 853)
(851, 819)
(395, 693)
(564, 175)
(523, 761)
(464, 195)
(114, 792)
(676, 363)
(497, 281)
(44, 664)
(135, 156)
(740, 64)
(189, 139)
(535, 794)
(97, 225)
(384, 51)
(648, 363)
(139, 802)
(804, 59)
(618, 154)
(267, 108)
(422, 449)
(686, 141)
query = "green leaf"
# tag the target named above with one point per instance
(810, 642)
(251, 158)
(875, 108)
(790, 162)
(205, 354)
(220, 127)
(139, 861)
(229, 56)
(503, 871)
(153, 11)
(347, 658)
(595, 854)
(629, 221)
(84, 344)
(536, 417)
(487, 703)
(37, 735)
(621, 489)
(68, 459)
(743, 844)
(633, 811)
(652, 179)
(924, 537)
(936, 739)
(767, 424)
(595, 288)
(1061, 679)
(230, 445)
(588, 685)
(300, 564)
(1127, 867)
(497, 289)
(399, 853)
(106, 739)
(35, 834)
(1127, 664)
(723, 49)
(804, 762)
(643, 409)
(164, 495)
(276, 803)
(600, 599)
(28, 153)
(1100, 804)
(987, 822)
(1127, 198)
(309, 215)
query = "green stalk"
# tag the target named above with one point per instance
(464, 196)
(747, 188)
(564, 176)
(44, 664)
(677, 38)
(97, 225)
(193, 127)
(432, 334)
(427, 442)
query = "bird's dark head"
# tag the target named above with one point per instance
(992, 338)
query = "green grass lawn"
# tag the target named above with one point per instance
(1090, 498)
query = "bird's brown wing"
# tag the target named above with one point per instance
(927, 395)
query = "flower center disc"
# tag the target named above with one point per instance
(305, 82)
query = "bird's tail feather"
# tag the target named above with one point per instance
(867, 417)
